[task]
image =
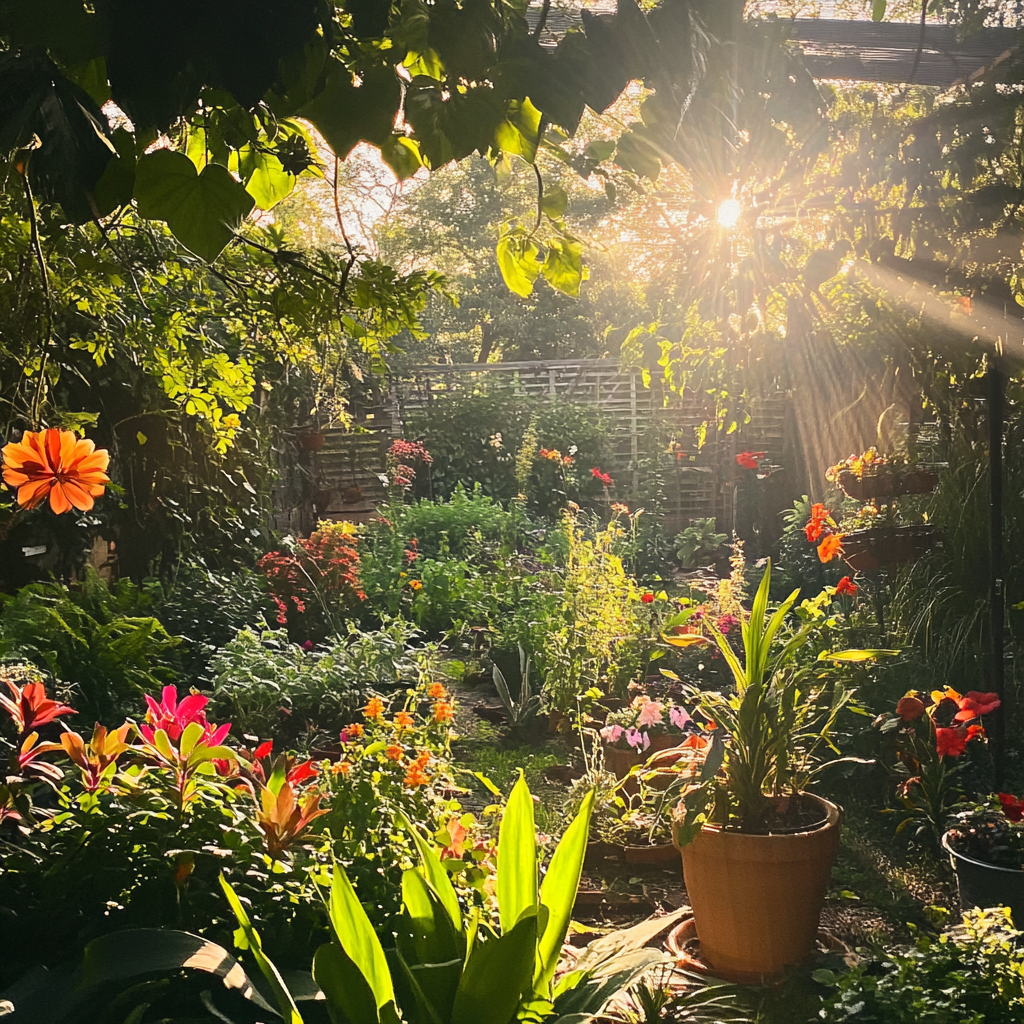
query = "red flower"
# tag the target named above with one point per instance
(831, 547)
(846, 586)
(173, 715)
(950, 742)
(1012, 807)
(748, 460)
(910, 708)
(976, 704)
(647, 598)
(603, 477)
(263, 750)
(816, 524)
(30, 707)
(301, 772)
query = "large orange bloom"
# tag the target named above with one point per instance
(830, 547)
(57, 464)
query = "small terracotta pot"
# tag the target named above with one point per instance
(757, 898)
(311, 442)
(619, 762)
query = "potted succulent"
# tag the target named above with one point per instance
(758, 848)
(985, 843)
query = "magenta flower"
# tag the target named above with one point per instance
(637, 739)
(173, 716)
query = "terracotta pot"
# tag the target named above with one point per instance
(867, 550)
(311, 442)
(661, 855)
(757, 898)
(619, 762)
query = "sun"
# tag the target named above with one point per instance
(728, 213)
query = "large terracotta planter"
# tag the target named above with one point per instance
(756, 899)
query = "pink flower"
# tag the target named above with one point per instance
(679, 717)
(637, 739)
(612, 733)
(725, 623)
(173, 716)
(650, 714)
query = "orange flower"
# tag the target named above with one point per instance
(423, 758)
(57, 464)
(416, 584)
(341, 768)
(394, 752)
(355, 730)
(416, 776)
(816, 524)
(374, 708)
(403, 720)
(443, 711)
(830, 547)
(436, 692)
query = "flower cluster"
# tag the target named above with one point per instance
(821, 529)
(554, 455)
(56, 464)
(646, 719)
(401, 459)
(327, 561)
(750, 460)
(604, 478)
(953, 718)
(867, 462)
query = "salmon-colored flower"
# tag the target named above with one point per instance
(94, 757)
(394, 752)
(975, 704)
(374, 708)
(56, 464)
(436, 691)
(953, 742)
(830, 547)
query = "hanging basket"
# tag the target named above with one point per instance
(887, 483)
(868, 550)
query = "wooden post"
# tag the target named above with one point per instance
(996, 379)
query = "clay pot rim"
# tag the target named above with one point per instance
(953, 852)
(833, 814)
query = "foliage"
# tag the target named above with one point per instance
(272, 687)
(595, 629)
(319, 575)
(451, 967)
(698, 543)
(973, 974)
(769, 731)
(521, 708)
(475, 437)
(83, 638)
(644, 719)
(926, 738)
(990, 831)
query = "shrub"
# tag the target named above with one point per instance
(270, 686)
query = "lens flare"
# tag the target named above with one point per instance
(729, 213)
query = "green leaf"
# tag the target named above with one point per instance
(349, 997)
(856, 657)
(402, 155)
(433, 936)
(517, 857)
(600, 150)
(268, 182)
(435, 874)
(519, 133)
(878, 9)
(558, 894)
(202, 210)
(563, 266)
(635, 154)
(496, 976)
(555, 201)
(357, 937)
(285, 1003)
(518, 262)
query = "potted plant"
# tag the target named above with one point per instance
(875, 475)
(758, 848)
(985, 843)
(643, 728)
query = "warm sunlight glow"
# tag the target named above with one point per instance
(729, 213)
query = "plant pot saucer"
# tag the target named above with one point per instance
(683, 944)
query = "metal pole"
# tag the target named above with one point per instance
(996, 379)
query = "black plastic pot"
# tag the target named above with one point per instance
(987, 885)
